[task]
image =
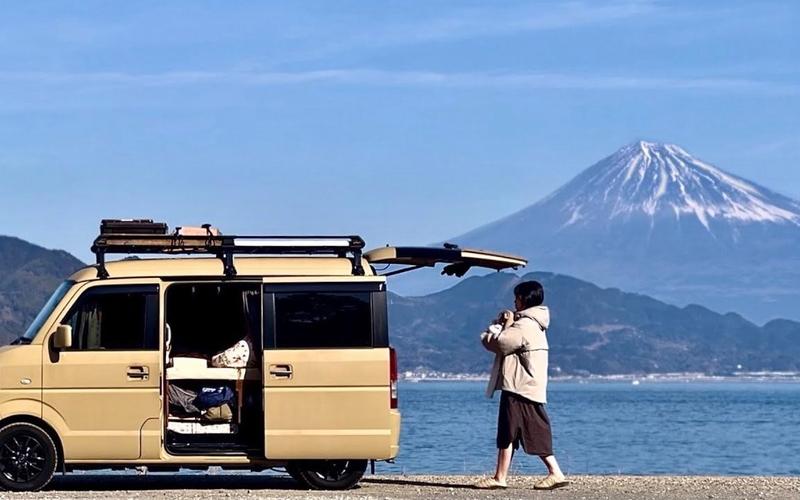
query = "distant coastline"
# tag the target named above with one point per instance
(743, 376)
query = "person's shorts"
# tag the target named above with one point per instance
(525, 421)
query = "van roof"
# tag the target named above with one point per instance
(213, 267)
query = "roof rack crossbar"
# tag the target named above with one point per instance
(225, 247)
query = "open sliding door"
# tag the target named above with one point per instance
(326, 371)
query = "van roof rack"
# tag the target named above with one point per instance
(142, 240)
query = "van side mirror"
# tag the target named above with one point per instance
(62, 339)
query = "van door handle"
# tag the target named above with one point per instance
(138, 373)
(280, 371)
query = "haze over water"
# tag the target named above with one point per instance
(611, 428)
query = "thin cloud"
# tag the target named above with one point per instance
(479, 22)
(488, 20)
(784, 144)
(372, 77)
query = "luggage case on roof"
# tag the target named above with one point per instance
(204, 230)
(132, 226)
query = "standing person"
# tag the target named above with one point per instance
(519, 342)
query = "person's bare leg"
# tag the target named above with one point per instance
(552, 466)
(503, 463)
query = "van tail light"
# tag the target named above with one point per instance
(392, 378)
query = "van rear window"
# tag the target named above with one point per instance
(323, 319)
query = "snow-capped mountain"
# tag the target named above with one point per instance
(652, 218)
(663, 180)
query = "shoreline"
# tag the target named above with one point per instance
(414, 487)
(789, 377)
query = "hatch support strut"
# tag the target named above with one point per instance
(405, 270)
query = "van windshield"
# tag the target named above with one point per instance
(40, 318)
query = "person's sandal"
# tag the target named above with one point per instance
(489, 483)
(551, 483)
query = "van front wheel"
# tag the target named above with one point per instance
(328, 474)
(28, 457)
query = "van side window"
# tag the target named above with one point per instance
(323, 319)
(115, 318)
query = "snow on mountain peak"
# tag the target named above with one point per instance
(656, 179)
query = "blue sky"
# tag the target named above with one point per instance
(407, 122)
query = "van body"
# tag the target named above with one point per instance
(109, 373)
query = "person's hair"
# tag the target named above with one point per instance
(531, 293)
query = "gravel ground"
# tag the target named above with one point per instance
(415, 487)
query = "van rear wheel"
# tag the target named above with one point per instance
(327, 474)
(28, 457)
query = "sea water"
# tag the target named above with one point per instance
(713, 428)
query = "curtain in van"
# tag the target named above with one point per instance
(251, 308)
(86, 332)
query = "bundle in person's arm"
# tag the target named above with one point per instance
(502, 337)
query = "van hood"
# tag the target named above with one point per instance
(19, 362)
(6, 348)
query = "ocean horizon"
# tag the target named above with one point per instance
(743, 376)
(611, 427)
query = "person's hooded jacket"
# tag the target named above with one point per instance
(520, 363)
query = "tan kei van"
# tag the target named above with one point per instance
(246, 353)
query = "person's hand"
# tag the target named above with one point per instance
(506, 318)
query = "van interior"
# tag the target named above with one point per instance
(213, 369)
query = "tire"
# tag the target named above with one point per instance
(28, 457)
(328, 474)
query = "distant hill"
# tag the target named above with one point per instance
(651, 218)
(28, 275)
(596, 330)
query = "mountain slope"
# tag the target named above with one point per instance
(652, 218)
(593, 330)
(663, 180)
(28, 275)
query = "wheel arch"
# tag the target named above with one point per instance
(31, 419)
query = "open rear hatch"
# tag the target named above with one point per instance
(458, 260)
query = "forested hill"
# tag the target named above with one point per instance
(28, 275)
(593, 330)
